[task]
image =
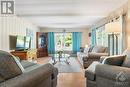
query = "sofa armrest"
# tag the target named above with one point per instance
(55, 73)
(114, 60)
(32, 78)
(90, 71)
(112, 72)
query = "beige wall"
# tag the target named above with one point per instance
(128, 25)
(85, 32)
(129, 9)
(128, 33)
(14, 26)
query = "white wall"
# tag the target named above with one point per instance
(84, 31)
(12, 25)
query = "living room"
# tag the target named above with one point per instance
(68, 43)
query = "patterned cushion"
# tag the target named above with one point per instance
(8, 66)
(91, 48)
(86, 50)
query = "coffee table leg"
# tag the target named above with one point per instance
(67, 60)
(59, 59)
(54, 61)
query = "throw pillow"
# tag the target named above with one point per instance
(8, 66)
(114, 60)
(91, 48)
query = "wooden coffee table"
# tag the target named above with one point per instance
(60, 58)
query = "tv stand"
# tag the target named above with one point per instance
(20, 50)
(25, 54)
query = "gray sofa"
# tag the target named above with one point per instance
(33, 75)
(111, 71)
(94, 54)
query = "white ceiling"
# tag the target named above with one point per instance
(65, 13)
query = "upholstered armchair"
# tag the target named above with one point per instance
(111, 71)
(16, 73)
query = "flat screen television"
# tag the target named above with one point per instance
(27, 42)
(20, 43)
(12, 42)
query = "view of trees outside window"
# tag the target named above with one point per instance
(102, 36)
(63, 41)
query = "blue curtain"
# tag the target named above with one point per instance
(76, 41)
(93, 37)
(51, 43)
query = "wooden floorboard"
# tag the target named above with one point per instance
(67, 79)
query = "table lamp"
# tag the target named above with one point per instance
(113, 27)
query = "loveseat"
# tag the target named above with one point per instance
(90, 54)
(16, 73)
(111, 71)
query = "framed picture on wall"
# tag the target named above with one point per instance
(29, 33)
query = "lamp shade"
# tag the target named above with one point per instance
(86, 46)
(113, 27)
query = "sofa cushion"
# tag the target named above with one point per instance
(99, 49)
(8, 66)
(27, 64)
(30, 68)
(126, 62)
(90, 71)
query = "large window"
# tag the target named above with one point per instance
(102, 36)
(63, 41)
(102, 39)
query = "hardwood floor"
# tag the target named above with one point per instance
(71, 80)
(67, 79)
(43, 60)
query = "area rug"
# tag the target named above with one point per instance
(72, 67)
